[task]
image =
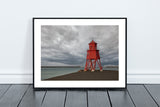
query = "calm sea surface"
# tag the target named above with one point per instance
(53, 72)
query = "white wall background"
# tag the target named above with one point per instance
(143, 33)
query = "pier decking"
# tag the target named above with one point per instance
(88, 75)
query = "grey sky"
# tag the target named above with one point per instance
(67, 45)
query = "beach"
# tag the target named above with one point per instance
(88, 75)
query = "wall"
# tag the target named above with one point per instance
(16, 33)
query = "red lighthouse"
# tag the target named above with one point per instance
(92, 57)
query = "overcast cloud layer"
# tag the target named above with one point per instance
(67, 45)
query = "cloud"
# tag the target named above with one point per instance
(67, 45)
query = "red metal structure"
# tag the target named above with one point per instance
(92, 57)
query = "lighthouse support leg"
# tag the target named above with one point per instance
(94, 65)
(86, 66)
(91, 65)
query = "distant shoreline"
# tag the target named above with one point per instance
(61, 67)
(74, 67)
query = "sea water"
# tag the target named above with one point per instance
(53, 72)
(57, 71)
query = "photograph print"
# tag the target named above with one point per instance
(79, 52)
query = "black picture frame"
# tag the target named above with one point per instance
(37, 18)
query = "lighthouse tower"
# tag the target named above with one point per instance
(92, 57)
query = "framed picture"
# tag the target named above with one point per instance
(79, 52)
